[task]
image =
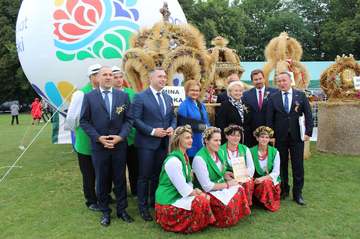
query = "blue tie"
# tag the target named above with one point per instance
(107, 101)
(161, 104)
(286, 102)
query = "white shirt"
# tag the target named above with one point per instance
(202, 174)
(249, 161)
(156, 97)
(173, 168)
(74, 110)
(262, 93)
(109, 95)
(276, 167)
(290, 96)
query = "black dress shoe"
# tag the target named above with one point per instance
(105, 220)
(125, 217)
(299, 200)
(145, 214)
(94, 207)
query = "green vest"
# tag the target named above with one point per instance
(215, 175)
(270, 161)
(131, 137)
(166, 193)
(82, 140)
(242, 152)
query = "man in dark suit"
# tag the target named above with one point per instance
(284, 109)
(154, 119)
(255, 101)
(106, 120)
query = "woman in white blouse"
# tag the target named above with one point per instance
(227, 198)
(267, 170)
(179, 206)
(239, 153)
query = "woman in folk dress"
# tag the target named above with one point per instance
(267, 170)
(234, 150)
(179, 206)
(227, 198)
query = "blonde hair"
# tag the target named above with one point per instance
(175, 139)
(189, 84)
(209, 132)
(234, 83)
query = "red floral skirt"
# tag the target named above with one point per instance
(176, 219)
(268, 194)
(229, 215)
(249, 190)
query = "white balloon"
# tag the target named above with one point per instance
(57, 40)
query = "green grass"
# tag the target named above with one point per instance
(43, 198)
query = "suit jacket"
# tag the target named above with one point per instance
(222, 97)
(95, 119)
(227, 115)
(147, 116)
(285, 123)
(254, 117)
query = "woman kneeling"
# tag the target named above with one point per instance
(267, 170)
(179, 207)
(235, 151)
(227, 198)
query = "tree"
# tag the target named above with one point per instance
(340, 33)
(14, 85)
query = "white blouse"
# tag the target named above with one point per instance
(249, 160)
(202, 174)
(276, 167)
(174, 170)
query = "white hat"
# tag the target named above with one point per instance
(93, 69)
(116, 69)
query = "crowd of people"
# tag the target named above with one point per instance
(178, 163)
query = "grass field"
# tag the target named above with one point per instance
(43, 198)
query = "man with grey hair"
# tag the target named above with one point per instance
(155, 121)
(283, 111)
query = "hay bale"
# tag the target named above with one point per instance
(339, 127)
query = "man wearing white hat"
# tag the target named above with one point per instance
(82, 141)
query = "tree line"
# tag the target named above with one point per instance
(325, 28)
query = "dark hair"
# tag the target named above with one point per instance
(232, 129)
(255, 72)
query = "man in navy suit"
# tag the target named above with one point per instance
(106, 120)
(255, 101)
(154, 119)
(284, 109)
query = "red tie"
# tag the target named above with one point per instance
(260, 100)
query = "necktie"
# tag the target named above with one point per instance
(161, 104)
(107, 101)
(286, 102)
(260, 100)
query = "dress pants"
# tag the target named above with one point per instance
(133, 168)
(150, 163)
(110, 165)
(296, 149)
(88, 178)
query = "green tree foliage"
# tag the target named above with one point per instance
(14, 85)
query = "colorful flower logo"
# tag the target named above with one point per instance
(93, 28)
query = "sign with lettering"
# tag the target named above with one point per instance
(177, 93)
